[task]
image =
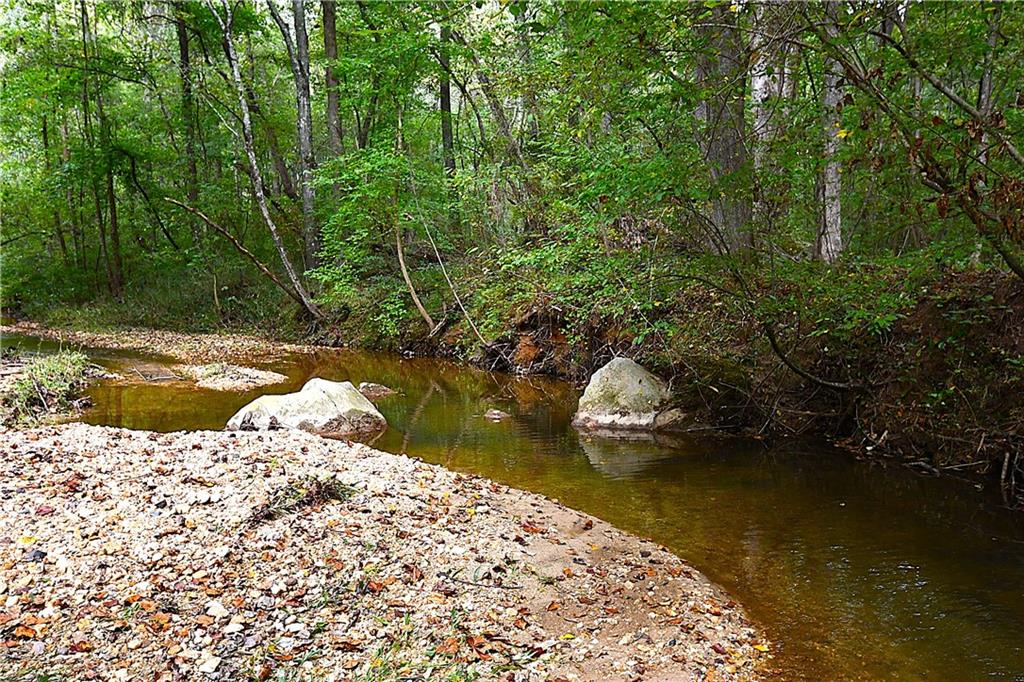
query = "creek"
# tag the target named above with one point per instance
(856, 570)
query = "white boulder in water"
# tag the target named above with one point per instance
(329, 408)
(622, 395)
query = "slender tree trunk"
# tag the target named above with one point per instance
(283, 174)
(91, 143)
(722, 76)
(528, 101)
(447, 138)
(69, 197)
(114, 249)
(298, 55)
(335, 132)
(58, 228)
(447, 134)
(985, 105)
(408, 280)
(255, 176)
(188, 114)
(830, 234)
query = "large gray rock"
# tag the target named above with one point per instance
(329, 408)
(622, 395)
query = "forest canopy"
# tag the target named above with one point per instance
(445, 161)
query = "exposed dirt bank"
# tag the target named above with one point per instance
(217, 555)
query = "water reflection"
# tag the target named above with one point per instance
(858, 571)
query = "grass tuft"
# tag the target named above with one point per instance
(48, 385)
(296, 495)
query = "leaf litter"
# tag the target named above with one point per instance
(257, 556)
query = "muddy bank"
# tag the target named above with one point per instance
(216, 555)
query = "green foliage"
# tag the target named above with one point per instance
(47, 385)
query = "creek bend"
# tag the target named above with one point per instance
(856, 571)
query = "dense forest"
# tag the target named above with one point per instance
(809, 214)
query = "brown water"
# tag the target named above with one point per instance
(856, 571)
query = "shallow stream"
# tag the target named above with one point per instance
(856, 571)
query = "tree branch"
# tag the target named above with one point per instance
(241, 249)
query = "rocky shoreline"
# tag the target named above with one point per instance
(220, 555)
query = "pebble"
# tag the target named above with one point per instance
(216, 610)
(210, 665)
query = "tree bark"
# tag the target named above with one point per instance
(284, 175)
(335, 132)
(91, 143)
(721, 75)
(58, 228)
(985, 105)
(829, 243)
(447, 138)
(408, 281)
(298, 56)
(255, 176)
(187, 113)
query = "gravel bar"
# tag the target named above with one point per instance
(214, 555)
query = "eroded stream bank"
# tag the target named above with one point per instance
(857, 572)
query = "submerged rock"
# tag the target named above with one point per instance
(496, 415)
(223, 376)
(328, 408)
(375, 391)
(622, 395)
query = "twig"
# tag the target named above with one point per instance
(46, 406)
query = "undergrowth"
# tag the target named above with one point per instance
(48, 385)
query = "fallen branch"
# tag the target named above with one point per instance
(241, 249)
(799, 371)
(408, 282)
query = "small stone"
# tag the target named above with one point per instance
(216, 610)
(210, 665)
(232, 628)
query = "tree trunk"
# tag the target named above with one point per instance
(447, 138)
(187, 113)
(91, 143)
(298, 55)
(284, 175)
(985, 85)
(255, 176)
(766, 81)
(721, 75)
(58, 228)
(335, 132)
(830, 234)
(528, 99)
(69, 194)
(447, 134)
(114, 249)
